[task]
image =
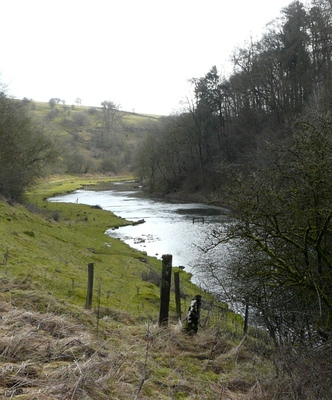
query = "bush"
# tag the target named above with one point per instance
(151, 276)
(56, 216)
(80, 118)
(304, 374)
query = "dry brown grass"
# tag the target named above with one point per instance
(50, 356)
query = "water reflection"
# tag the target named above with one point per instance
(168, 227)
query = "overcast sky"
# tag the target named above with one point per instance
(136, 53)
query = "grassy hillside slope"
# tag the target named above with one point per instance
(53, 348)
(83, 145)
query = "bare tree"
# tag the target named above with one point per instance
(110, 119)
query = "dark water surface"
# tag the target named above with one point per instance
(168, 227)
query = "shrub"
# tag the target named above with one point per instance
(151, 276)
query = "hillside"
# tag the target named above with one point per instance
(54, 348)
(93, 139)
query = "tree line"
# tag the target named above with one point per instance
(262, 140)
(228, 119)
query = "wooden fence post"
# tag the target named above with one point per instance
(88, 303)
(165, 288)
(177, 294)
(246, 320)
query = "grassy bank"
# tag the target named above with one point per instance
(55, 243)
(53, 348)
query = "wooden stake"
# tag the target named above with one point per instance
(246, 320)
(88, 303)
(177, 294)
(165, 288)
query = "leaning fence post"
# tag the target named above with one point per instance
(165, 288)
(177, 294)
(88, 303)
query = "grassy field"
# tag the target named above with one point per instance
(52, 347)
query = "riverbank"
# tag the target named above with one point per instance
(168, 226)
(52, 347)
(127, 185)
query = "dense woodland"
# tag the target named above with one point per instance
(259, 141)
(230, 120)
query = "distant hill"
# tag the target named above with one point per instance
(93, 139)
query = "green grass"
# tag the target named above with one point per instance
(52, 246)
(64, 121)
(47, 333)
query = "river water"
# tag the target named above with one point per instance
(169, 228)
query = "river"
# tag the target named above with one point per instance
(169, 228)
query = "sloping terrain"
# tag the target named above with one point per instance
(52, 347)
(90, 139)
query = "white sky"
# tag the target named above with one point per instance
(136, 53)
